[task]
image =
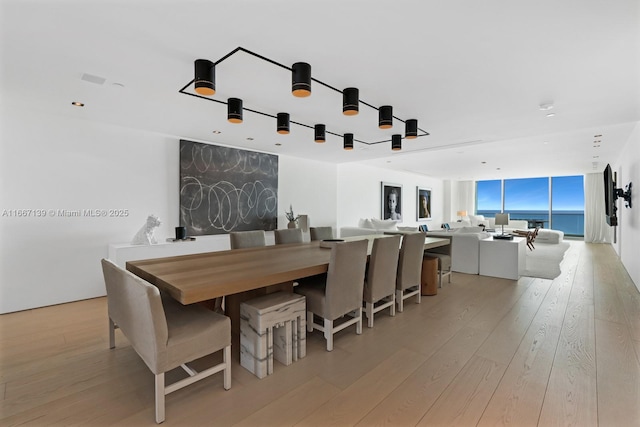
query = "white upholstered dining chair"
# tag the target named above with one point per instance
(321, 233)
(409, 268)
(339, 293)
(288, 235)
(163, 332)
(247, 239)
(380, 282)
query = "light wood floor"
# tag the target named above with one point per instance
(484, 351)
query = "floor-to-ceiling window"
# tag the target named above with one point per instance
(567, 204)
(489, 197)
(555, 202)
(528, 199)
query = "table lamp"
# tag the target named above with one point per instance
(502, 219)
(461, 214)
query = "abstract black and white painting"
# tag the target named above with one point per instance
(225, 189)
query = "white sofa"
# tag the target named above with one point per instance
(477, 220)
(368, 226)
(465, 247)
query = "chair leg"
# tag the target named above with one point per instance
(392, 308)
(419, 295)
(369, 313)
(226, 358)
(328, 333)
(112, 334)
(399, 300)
(160, 398)
(309, 321)
(359, 324)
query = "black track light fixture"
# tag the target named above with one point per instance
(319, 133)
(205, 77)
(350, 101)
(234, 110)
(411, 129)
(283, 123)
(385, 117)
(301, 79)
(396, 142)
(348, 141)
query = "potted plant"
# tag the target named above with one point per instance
(292, 218)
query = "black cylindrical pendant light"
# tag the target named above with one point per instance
(396, 142)
(205, 77)
(234, 110)
(350, 101)
(283, 123)
(411, 129)
(301, 79)
(385, 117)
(348, 141)
(319, 133)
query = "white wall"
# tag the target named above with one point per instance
(359, 194)
(628, 232)
(55, 163)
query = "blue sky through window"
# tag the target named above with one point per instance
(532, 194)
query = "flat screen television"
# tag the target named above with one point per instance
(610, 197)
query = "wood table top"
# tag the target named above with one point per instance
(201, 277)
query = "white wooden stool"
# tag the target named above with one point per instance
(272, 326)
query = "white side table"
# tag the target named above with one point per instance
(503, 258)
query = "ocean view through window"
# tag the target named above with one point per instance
(551, 202)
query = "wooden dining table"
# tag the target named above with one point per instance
(240, 274)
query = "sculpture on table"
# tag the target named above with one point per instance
(144, 236)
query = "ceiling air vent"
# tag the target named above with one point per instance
(93, 79)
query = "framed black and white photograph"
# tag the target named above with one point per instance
(423, 204)
(391, 201)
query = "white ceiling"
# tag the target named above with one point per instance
(473, 73)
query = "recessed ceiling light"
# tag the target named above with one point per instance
(217, 132)
(497, 169)
(551, 115)
(484, 163)
(596, 157)
(546, 107)
(77, 104)
(278, 144)
(249, 139)
(597, 136)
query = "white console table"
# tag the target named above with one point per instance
(503, 258)
(120, 253)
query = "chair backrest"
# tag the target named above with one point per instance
(321, 233)
(288, 235)
(383, 268)
(345, 278)
(247, 239)
(410, 261)
(135, 306)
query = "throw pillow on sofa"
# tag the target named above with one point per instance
(365, 223)
(384, 224)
